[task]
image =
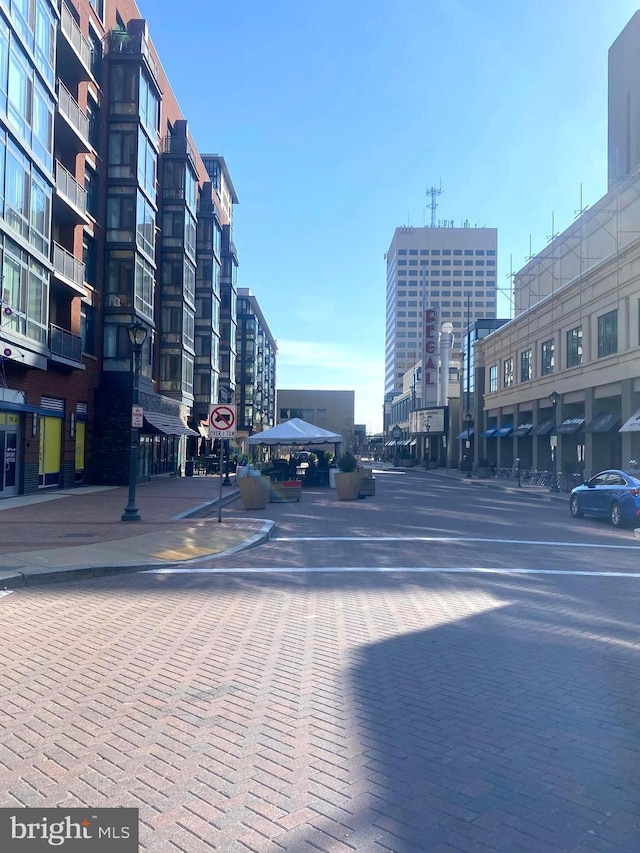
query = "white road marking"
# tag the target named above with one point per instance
(451, 540)
(282, 570)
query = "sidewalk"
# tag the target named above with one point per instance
(487, 482)
(78, 532)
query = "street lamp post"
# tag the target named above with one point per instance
(554, 397)
(427, 428)
(137, 335)
(469, 419)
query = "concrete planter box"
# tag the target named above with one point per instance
(348, 485)
(254, 492)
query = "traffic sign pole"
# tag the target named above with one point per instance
(222, 425)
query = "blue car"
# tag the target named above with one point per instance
(611, 494)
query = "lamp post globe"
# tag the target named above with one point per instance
(137, 336)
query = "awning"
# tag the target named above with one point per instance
(604, 422)
(544, 428)
(168, 424)
(5, 406)
(489, 433)
(633, 424)
(466, 433)
(504, 431)
(413, 443)
(522, 430)
(390, 444)
(570, 425)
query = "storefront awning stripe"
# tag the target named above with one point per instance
(633, 424)
(167, 424)
(604, 422)
(544, 428)
(522, 430)
(466, 433)
(570, 425)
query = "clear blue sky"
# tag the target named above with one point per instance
(335, 117)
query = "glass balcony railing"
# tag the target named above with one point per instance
(74, 36)
(64, 343)
(68, 267)
(69, 108)
(68, 187)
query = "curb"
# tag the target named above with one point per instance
(17, 579)
(491, 484)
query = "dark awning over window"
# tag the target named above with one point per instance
(604, 422)
(544, 428)
(488, 433)
(570, 425)
(504, 431)
(167, 424)
(523, 429)
(466, 433)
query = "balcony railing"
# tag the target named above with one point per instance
(69, 108)
(68, 187)
(70, 28)
(68, 267)
(178, 145)
(65, 344)
(122, 41)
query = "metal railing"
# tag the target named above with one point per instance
(67, 266)
(69, 108)
(122, 41)
(178, 145)
(67, 186)
(64, 343)
(72, 31)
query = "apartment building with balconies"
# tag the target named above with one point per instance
(109, 218)
(255, 367)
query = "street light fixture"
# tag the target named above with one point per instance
(554, 397)
(137, 336)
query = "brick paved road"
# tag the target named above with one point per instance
(334, 711)
(330, 712)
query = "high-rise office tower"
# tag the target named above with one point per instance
(624, 102)
(451, 269)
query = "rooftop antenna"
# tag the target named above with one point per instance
(433, 193)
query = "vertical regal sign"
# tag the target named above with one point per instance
(430, 359)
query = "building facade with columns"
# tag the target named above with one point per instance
(580, 342)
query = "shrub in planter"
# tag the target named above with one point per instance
(347, 478)
(347, 463)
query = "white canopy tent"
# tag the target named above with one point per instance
(295, 432)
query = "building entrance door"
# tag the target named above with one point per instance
(8, 463)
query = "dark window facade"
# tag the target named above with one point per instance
(547, 357)
(574, 347)
(608, 334)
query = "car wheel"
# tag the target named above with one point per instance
(615, 515)
(574, 506)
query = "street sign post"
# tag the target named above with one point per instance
(222, 425)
